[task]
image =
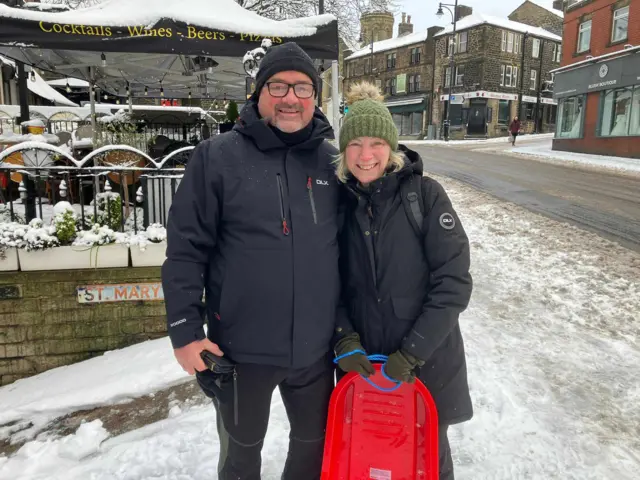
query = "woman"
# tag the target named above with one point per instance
(404, 284)
(514, 129)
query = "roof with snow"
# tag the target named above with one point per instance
(390, 44)
(482, 19)
(217, 14)
(539, 3)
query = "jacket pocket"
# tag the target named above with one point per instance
(312, 200)
(407, 308)
(283, 217)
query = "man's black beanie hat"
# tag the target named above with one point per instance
(285, 57)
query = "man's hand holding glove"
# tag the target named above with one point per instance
(401, 366)
(356, 362)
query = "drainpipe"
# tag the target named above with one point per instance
(524, 45)
(539, 87)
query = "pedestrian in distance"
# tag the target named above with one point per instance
(254, 224)
(514, 129)
(405, 265)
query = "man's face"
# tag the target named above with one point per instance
(288, 113)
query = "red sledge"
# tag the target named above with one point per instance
(376, 432)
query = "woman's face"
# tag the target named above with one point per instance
(367, 158)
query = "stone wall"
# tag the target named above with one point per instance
(531, 14)
(42, 325)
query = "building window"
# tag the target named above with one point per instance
(415, 56)
(620, 112)
(508, 76)
(534, 80)
(447, 77)
(535, 52)
(410, 84)
(584, 36)
(459, 75)
(459, 44)
(462, 42)
(557, 53)
(367, 65)
(393, 86)
(504, 111)
(391, 61)
(387, 87)
(417, 83)
(620, 24)
(570, 117)
(510, 42)
(552, 111)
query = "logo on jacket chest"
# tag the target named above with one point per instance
(324, 183)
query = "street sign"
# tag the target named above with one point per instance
(457, 99)
(127, 292)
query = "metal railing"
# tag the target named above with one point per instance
(123, 197)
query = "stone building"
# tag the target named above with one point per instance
(501, 68)
(537, 15)
(402, 67)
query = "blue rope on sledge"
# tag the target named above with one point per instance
(373, 358)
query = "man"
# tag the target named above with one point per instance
(254, 224)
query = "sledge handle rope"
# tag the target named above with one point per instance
(373, 358)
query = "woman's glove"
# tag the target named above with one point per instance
(400, 366)
(356, 362)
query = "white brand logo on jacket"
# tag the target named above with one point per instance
(175, 324)
(323, 182)
(447, 221)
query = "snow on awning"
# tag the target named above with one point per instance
(481, 19)
(72, 82)
(192, 27)
(38, 86)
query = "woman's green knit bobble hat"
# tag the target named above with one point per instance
(367, 117)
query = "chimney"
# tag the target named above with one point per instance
(463, 11)
(432, 31)
(405, 27)
(558, 5)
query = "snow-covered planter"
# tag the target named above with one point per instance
(60, 246)
(148, 248)
(11, 238)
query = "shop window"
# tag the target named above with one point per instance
(504, 111)
(455, 114)
(416, 123)
(620, 112)
(528, 111)
(552, 111)
(570, 117)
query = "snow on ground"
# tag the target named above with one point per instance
(553, 353)
(539, 149)
(488, 141)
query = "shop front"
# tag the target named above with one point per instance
(599, 106)
(488, 114)
(409, 115)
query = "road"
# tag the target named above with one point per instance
(600, 201)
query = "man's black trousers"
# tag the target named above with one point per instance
(243, 416)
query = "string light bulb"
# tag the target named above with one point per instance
(146, 91)
(103, 59)
(162, 91)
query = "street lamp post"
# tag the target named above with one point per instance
(452, 74)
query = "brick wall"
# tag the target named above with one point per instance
(42, 325)
(601, 14)
(531, 14)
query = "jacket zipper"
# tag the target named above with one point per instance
(313, 203)
(235, 397)
(285, 227)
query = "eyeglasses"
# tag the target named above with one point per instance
(281, 89)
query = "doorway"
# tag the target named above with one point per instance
(477, 123)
